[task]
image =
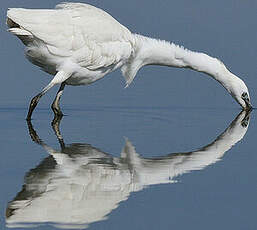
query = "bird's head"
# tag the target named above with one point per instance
(240, 92)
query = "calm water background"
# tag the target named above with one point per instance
(163, 111)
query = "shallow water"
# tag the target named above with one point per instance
(141, 168)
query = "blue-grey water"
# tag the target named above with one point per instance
(172, 151)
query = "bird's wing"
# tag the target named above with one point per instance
(93, 37)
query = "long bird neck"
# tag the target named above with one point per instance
(149, 51)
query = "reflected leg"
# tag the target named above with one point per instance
(33, 133)
(56, 127)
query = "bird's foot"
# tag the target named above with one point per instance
(57, 111)
(32, 106)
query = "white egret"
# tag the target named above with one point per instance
(79, 44)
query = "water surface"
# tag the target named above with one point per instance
(143, 169)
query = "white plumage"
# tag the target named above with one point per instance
(81, 34)
(79, 44)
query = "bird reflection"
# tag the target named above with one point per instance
(80, 184)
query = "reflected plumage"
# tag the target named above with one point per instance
(79, 44)
(80, 184)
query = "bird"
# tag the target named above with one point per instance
(79, 44)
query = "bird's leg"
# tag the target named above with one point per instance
(60, 77)
(56, 103)
(36, 99)
(32, 106)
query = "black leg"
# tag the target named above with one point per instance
(60, 77)
(56, 103)
(36, 99)
(33, 105)
(33, 133)
(56, 127)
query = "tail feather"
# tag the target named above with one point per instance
(16, 28)
(19, 32)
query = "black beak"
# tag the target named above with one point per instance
(248, 104)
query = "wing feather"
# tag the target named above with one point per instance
(86, 33)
